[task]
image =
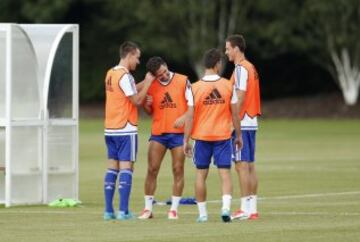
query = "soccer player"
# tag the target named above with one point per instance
(121, 119)
(246, 81)
(167, 103)
(210, 122)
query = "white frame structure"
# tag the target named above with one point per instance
(43, 167)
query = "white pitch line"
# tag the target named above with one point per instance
(311, 195)
(321, 158)
(293, 213)
(39, 212)
(313, 213)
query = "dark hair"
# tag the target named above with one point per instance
(212, 57)
(126, 48)
(154, 63)
(237, 40)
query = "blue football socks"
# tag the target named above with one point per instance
(125, 182)
(109, 189)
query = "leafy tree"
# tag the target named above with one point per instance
(185, 29)
(325, 32)
(44, 11)
(333, 29)
(9, 11)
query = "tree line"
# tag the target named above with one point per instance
(300, 47)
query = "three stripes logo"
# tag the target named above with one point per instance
(214, 98)
(167, 102)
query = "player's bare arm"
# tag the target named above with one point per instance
(148, 104)
(180, 121)
(187, 131)
(236, 122)
(241, 98)
(138, 99)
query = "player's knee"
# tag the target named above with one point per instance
(238, 166)
(153, 171)
(252, 169)
(178, 172)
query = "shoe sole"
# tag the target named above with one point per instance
(150, 217)
(240, 218)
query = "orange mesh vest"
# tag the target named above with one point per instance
(169, 103)
(119, 110)
(251, 104)
(212, 111)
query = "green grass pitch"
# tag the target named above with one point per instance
(309, 190)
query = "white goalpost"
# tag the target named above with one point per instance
(39, 113)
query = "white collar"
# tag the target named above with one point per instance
(117, 67)
(213, 77)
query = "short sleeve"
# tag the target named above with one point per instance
(188, 94)
(241, 77)
(127, 84)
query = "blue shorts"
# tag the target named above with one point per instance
(247, 153)
(169, 140)
(219, 150)
(122, 148)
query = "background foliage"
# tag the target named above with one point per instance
(288, 41)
